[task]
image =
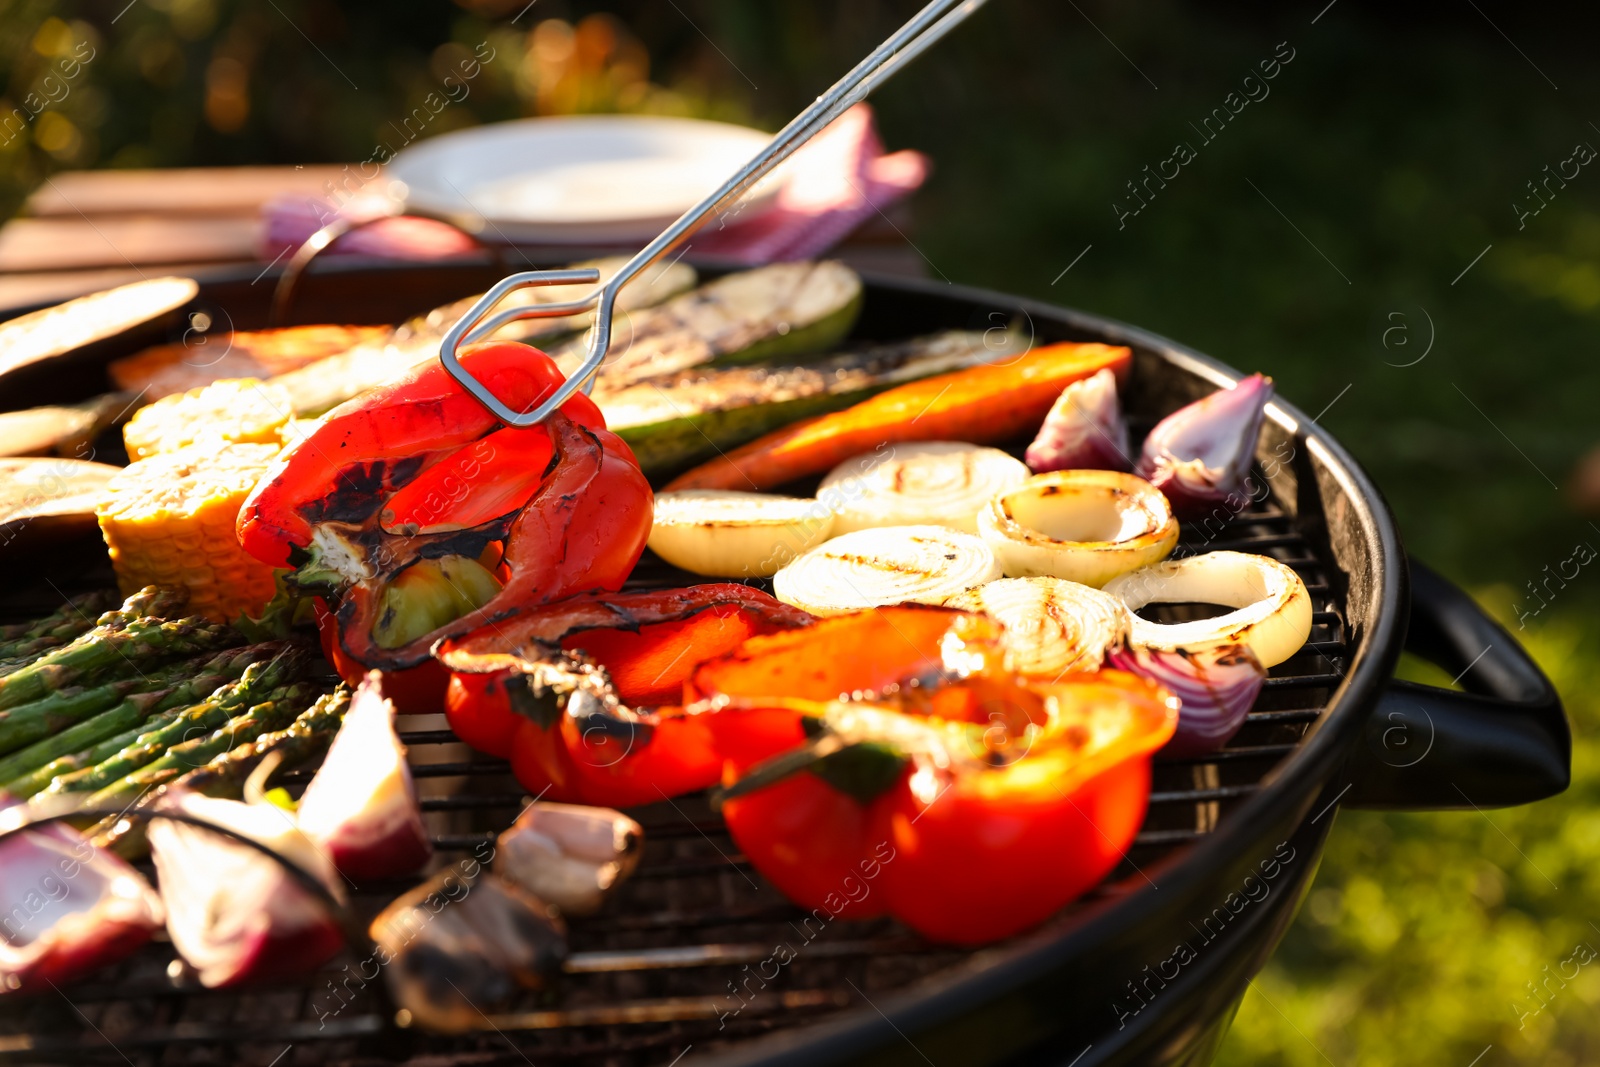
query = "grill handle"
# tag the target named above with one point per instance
(1504, 741)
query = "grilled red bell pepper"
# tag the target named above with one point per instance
(571, 691)
(940, 791)
(416, 690)
(386, 508)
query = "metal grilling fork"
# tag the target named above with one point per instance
(925, 28)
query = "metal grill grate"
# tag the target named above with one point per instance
(685, 956)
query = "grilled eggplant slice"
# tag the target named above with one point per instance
(787, 310)
(327, 383)
(37, 349)
(67, 430)
(677, 420)
(43, 500)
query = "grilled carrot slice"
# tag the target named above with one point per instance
(981, 404)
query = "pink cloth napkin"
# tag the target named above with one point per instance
(835, 183)
(831, 186)
(290, 220)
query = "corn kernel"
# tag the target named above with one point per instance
(170, 519)
(242, 410)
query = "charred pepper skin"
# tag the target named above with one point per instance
(383, 438)
(582, 694)
(420, 470)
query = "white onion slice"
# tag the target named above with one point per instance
(1052, 626)
(888, 565)
(1273, 609)
(945, 483)
(722, 533)
(1086, 526)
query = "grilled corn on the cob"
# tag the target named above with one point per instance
(169, 520)
(238, 410)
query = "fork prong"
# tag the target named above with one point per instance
(449, 348)
(489, 325)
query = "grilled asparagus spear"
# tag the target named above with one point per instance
(302, 740)
(272, 714)
(105, 650)
(72, 619)
(225, 775)
(160, 601)
(151, 600)
(259, 682)
(39, 779)
(188, 683)
(27, 723)
(24, 651)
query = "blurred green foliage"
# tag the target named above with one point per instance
(1427, 938)
(1327, 236)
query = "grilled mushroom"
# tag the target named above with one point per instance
(455, 948)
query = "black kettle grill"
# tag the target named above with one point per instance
(1146, 969)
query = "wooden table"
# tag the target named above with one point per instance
(88, 230)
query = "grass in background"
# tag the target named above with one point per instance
(1347, 203)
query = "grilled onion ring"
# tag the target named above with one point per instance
(1273, 609)
(1082, 525)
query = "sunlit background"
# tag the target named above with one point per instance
(1364, 232)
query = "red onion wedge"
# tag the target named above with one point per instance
(69, 908)
(1215, 688)
(1084, 429)
(1200, 455)
(235, 914)
(362, 805)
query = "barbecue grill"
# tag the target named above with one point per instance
(697, 960)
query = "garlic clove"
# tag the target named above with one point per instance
(569, 855)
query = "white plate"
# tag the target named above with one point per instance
(588, 178)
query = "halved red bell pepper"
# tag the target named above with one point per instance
(572, 691)
(387, 506)
(878, 763)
